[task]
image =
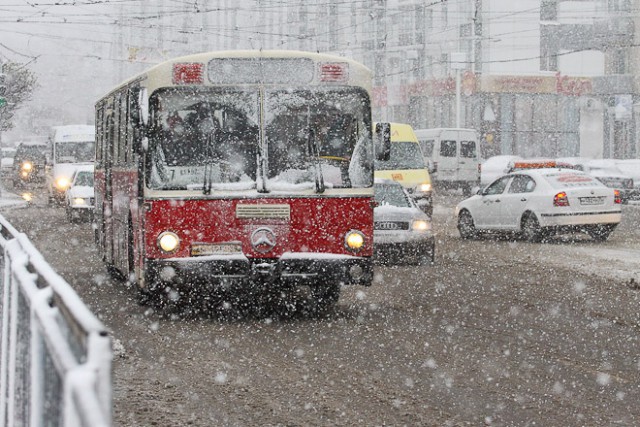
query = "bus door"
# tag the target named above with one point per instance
(107, 208)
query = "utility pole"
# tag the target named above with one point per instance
(3, 100)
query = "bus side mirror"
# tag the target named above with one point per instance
(382, 141)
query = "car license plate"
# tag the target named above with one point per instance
(591, 201)
(200, 249)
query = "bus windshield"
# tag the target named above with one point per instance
(75, 152)
(219, 137)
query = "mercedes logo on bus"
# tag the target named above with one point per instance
(263, 239)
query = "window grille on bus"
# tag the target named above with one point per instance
(270, 211)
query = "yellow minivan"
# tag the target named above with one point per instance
(407, 166)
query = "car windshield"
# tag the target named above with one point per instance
(31, 152)
(391, 195)
(404, 155)
(75, 152)
(84, 178)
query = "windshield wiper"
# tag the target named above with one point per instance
(314, 146)
(209, 157)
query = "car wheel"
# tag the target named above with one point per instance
(601, 232)
(466, 226)
(530, 226)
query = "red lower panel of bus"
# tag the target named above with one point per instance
(259, 228)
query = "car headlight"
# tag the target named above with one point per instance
(27, 166)
(424, 188)
(168, 242)
(79, 201)
(62, 183)
(354, 240)
(420, 225)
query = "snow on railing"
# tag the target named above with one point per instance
(55, 355)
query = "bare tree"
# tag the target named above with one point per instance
(19, 84)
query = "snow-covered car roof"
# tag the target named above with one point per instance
(85, 168)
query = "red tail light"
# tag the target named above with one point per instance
(616, 197)
(561, 199)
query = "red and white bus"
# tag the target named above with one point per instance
(239, 168)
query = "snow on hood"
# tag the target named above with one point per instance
(81, 191)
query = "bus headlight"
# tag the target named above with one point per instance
(62, 183)
(79, 201)
(168, 242)
(27, 166)
(354, 240)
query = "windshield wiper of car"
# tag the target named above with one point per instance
(314, 148)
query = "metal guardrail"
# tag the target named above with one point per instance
(55, 355)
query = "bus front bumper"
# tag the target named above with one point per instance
(289, 270)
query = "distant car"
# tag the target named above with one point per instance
(6, 162)
(402, 231)
(612, 176)
(538, 202)
(79, 198)
(607, 172)
(29, 164)
(494, 167)
(631, 167)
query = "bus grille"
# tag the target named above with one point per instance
(250, 211)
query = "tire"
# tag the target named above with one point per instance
(466, 226)
(601, 232)
(530, 227)
(324, 296)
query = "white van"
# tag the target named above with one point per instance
(72, 146)
(453, 155)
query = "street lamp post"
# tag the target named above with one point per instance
(458, 63)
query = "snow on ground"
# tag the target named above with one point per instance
(620, 264)
(9, 199)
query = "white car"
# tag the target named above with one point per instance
(631, 167)
(612, 176)
(536, 202)
(606, 171)
(402, 231)
(494, 167)
(79, 198)
(6, 163)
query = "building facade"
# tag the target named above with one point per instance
(538, 77)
